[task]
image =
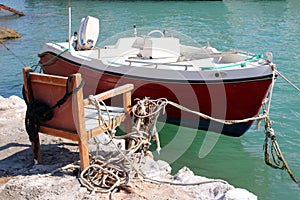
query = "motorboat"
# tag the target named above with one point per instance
(228, 85)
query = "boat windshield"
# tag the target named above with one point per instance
(148, 31)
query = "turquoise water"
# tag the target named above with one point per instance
(255, 26)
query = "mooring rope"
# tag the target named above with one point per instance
(107, 176)
(145, 113)
(15, 55)
(270, 133)
(54, 57)
(288, 81)
(265, 116)
(164, 102)
(270, 93)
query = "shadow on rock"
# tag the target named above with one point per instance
(54, 156)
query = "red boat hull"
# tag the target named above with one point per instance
(236, 99)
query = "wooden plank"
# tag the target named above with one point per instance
(11, 10)
(101, 129)
(127, 104)
(78, 112)
(39, 157)
(25, 69)
(111, 93)
(48, 79)
(59, 133)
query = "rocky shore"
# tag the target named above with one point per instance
(20, 179)
(8, 33)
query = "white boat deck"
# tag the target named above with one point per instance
(162, 53)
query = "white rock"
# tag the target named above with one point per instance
(155, 169)
(185, 175)
(164, 167)
(13, 102)
(239, 194)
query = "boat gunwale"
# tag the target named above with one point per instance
(178, 81)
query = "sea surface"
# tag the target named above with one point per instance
(249, 25)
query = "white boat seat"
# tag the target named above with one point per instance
(160, 47)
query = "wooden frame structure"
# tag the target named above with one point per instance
(4, 7)
(72, 120)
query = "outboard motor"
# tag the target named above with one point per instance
(88, 33)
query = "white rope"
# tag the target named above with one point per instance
(257, 117)
(164, 102)
(272, 87)
(96, 103)
(161, 103)
(101, 174)
(160, 181)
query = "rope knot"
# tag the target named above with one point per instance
(40, 110)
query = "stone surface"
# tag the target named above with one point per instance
(8, 33)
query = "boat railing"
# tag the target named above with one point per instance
(156, 64)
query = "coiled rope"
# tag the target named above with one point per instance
(270, 133)
(113, 173)
(110, 177)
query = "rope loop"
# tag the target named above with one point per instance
(39, 110)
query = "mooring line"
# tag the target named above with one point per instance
(15, 55)
(288, 81)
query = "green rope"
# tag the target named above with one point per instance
(241, 64)
(255, 57)
(34, 67)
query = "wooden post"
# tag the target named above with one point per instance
(36, 154)
(34, 146)
(127, 122)
(25, 69)
(78, 110)
(11, 10)
(127, 104)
